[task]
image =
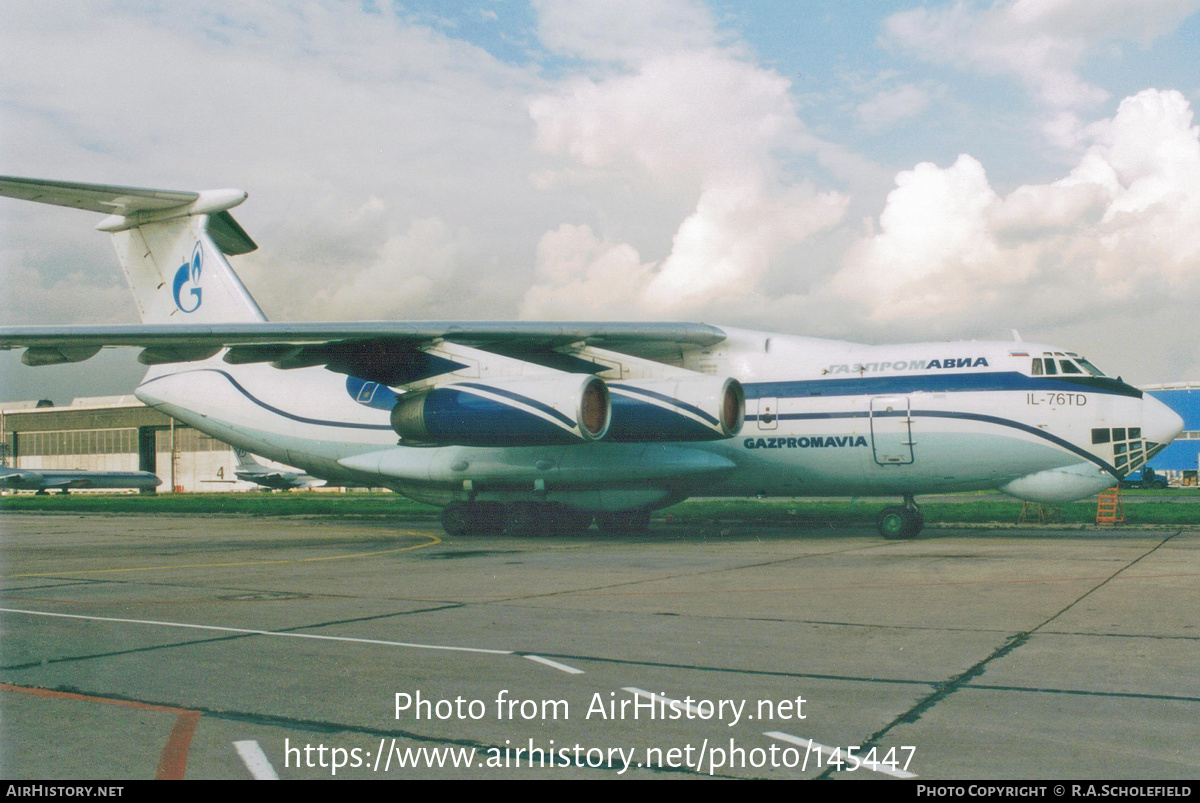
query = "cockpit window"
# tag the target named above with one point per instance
(1057, 362)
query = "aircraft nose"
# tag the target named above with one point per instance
(1160, 424)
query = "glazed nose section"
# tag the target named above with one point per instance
(1160, 424)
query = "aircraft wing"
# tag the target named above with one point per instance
(382, 351)
(36, 480)
(12, 478)
(263, 476)
(67, 482)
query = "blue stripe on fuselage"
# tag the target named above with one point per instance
(987, 419)
(269, 407)
(935, 383)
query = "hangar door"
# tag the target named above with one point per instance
(891, 430)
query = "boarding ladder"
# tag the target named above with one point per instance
(1108, 507)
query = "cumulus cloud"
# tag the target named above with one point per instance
(933, 246)
(408, 273)
(1113, 234)
(731, 240)
(710, 127)
(582, 277)
(683, 114)
(624, 31)
(1040, 42)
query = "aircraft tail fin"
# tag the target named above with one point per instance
(246, 460)
(172, 245)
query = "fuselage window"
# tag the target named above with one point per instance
(1101, 435)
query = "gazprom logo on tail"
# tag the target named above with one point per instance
(187, 282)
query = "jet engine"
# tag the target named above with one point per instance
(689, 408)
(523, 411)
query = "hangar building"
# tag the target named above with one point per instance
(1181, 460)
(117, 433)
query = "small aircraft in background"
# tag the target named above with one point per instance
(250, 470)
(45, 480)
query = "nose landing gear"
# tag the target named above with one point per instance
(901, 522)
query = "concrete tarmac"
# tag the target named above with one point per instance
(238, 647)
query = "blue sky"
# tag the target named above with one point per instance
(881, 172)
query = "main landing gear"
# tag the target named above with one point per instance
(901, 522)
(535, 518)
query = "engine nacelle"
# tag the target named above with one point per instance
(690, 408)
(525, 411)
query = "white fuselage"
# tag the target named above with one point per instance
(822, 418)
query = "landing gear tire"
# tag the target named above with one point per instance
(543, 519)
(900, 523)
(456, 518)
(521, 518)
(561, 520)
(471, 518)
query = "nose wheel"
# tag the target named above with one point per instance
(900, 522)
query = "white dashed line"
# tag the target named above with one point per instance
(275, 633)
(561, 667)
(255, 760)
(827, 752)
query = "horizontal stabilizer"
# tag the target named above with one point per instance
(134, 205)
(105, 198)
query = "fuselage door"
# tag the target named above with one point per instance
(768, 413)
(891, 430)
